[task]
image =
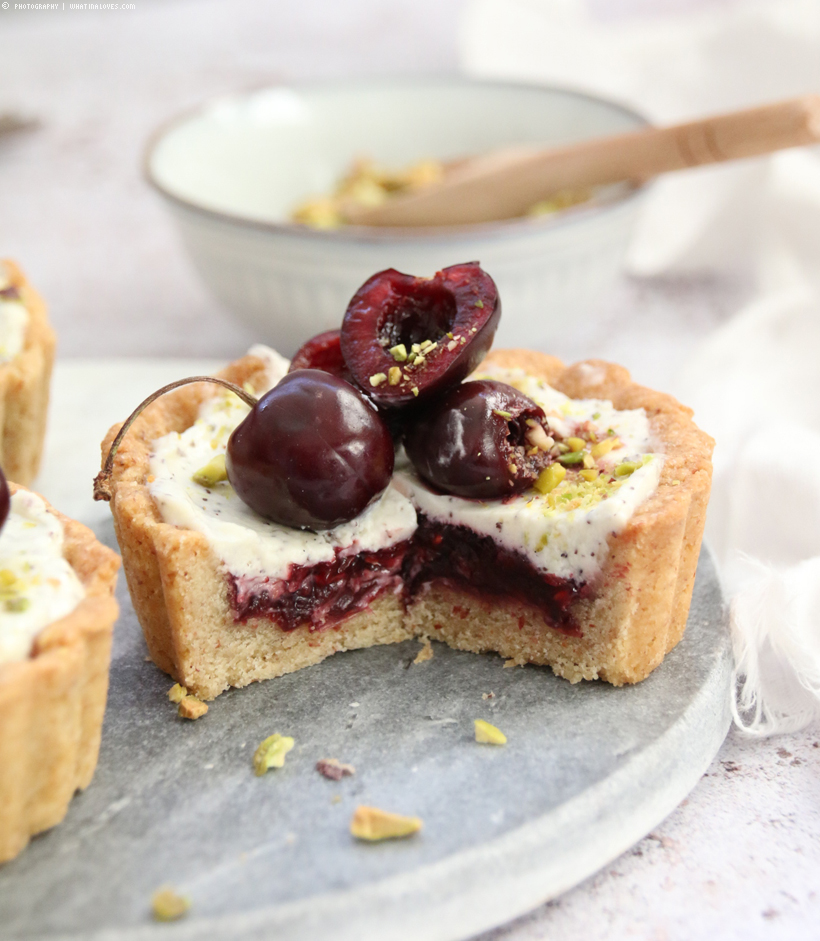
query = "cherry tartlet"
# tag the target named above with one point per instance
(551, 514)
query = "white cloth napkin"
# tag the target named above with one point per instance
(755, 383)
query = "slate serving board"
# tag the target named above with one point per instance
(588, 770)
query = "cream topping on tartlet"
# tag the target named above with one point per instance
(562, 532)
(13, 321)
(247, 544)
(37, 584)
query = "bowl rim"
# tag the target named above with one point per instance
(377, 234)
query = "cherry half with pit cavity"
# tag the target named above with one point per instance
(483, 441)
(312, 453)
(409, 340)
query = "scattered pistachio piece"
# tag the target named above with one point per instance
(479, 303)
(416, 347)
(370, 823)
(627, 468)
(17, 605)
(394, 375)
(212, 473)
(589, 473)
(191, 708)
(487, 734)
(377, 379)
(177, 693)
(415, 390)
(271, 753)
(168, 905)
(452, 345)
(398, 352)
(589, 460)
(605, 446)
(576, 444)
(502, 414)
(549, 478)
(513, 469)
(425, 345)
(572, 457)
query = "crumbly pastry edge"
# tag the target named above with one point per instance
(24, 388)
(637, 615)
(52, 704)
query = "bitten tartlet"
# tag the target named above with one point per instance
(226, 597)
(57, 612)
(26, 357)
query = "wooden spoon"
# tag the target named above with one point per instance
(506, 183)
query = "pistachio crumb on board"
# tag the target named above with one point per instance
(169, 905)
(177, 693)
(372, 824)
(191, 708)
(271, 753)
(486, 734)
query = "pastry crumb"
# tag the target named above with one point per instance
(372, 824)
(177, 693)
(168, 905)
(191, 708)
(271, 753)
(333, 769)
(336, 799)
(426, 652)
(490, 695)
(512, 663)
(487, 734)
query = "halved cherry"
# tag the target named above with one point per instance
(323, 352)
(483, 440)
(407, 340)
(312, 453)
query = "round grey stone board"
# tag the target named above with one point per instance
(588, 770)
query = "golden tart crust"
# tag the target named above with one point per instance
(24, 388)
(637, 615)
(52, 705)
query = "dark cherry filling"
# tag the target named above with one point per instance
(474, 563)
(322, 595)
(326, 594)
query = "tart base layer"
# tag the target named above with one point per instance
(635, 614)
(24, 389)
(52, 705)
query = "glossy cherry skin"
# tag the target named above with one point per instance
(392, 308)
(472, 443)
(324, 351)
(5, 500)
(312, 453)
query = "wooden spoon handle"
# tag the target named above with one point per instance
(504, 184)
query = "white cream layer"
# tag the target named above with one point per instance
(247, 544)
(570, 543)
(37, 585)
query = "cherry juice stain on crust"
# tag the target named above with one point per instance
(473, 563)
(320, 595)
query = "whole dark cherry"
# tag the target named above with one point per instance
(451, 319)
(324, 351)
(5, 499)
(483, 440)
(312, 453)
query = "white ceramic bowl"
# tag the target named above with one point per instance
(232, 171)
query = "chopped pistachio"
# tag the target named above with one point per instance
(572, 457)
(452, 345)
(377, 379)
(191, 708)
(411, 359)
(605, 446)
(177, 693)
(487, 734)
(394, 375)
(576, 444)
(370, 823)
(17, 605)
(398, 352)
(450, 335)
(479, 303)
(168, 905)
(271, 753)
(627, 468)
(425, 345)
(416, 347)
(415, 390)
(502, 414)
(549, 478)
(420, 360)
(512, 468)
(588, 461)
(7, 578)
(589, 473)
(212, 473)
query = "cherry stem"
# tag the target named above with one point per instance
(102, 482)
